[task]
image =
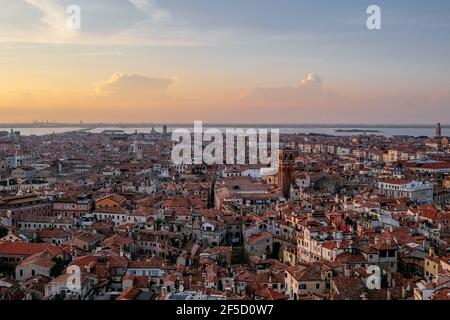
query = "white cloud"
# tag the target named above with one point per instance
(312, 79)
(133, 85)
(54, 17)
(311, 102)
(152, 10)
(131, 22)
(309, 91)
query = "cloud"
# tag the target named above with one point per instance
(121, 97)
(310, 92)
(311, 101)
(150, 8)
(122, 84)
(123, 94)
(120, 23)
(54, 17)
(137, 98)
(313, 79)
(131, 22)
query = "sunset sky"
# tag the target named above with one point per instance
(283, 61)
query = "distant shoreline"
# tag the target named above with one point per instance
(358, 131)
(260, 125)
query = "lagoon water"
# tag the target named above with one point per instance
(387, 131)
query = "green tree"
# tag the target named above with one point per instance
(239, 256)
(59, 266)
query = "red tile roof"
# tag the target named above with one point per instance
(26, 249)
(129, 294)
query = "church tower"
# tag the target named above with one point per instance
(359, 159)
(286, 166)
(438, 131)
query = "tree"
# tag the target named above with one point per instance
(239, 256)
(348, 221)
(59, 266)
(3, 232)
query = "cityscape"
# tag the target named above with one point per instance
(109, 216)
(224, 157)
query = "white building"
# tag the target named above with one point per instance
(419, 191)
(117, 215)
(72, 285)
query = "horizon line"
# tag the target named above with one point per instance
(209, 124)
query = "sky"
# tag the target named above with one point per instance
(260, 61)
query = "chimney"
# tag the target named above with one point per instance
(376, 240)
(388, 294)
(389, 279)
(431, 252)
(403, 292)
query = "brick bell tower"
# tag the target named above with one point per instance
(286, 166)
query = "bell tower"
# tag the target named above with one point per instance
(286, 165)
(438, 131)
